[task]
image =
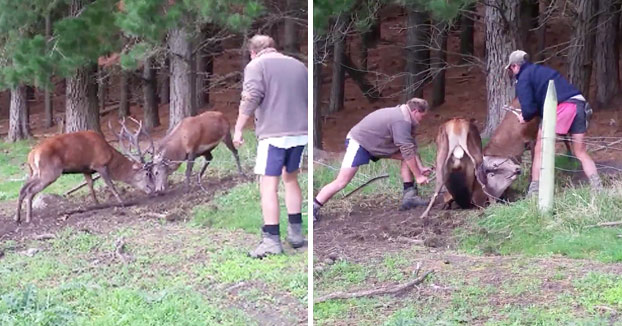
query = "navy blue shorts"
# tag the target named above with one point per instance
(356, 155)
(272, 159)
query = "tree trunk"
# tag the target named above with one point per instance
(543, 6)
(124, 96)
(500, 42)
(245, 52)
(582, 45)
(49, 89)
(102, 88)
(317, 105)
(438, 65)
(291, 30)
(526, 23)
(337, 89)
(81, 111)
(150, 103)
(466, 33)
(18, 115)
(200, 65)
(180, 80)
(209, 72)
(416, 41)
(164, 83)
(369, 39)
(605, 53)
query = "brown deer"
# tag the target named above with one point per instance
(192, 137)
(85, 152)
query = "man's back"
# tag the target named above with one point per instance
(283, 109)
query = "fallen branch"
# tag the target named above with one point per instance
(373, 292)
(100, 206)
(78, 187)
(606, 146)
(605, 224)
(365, 184)
(45, 236)
(417, 242)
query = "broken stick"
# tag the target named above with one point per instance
(606, 224)
(379, 291)
(78, 187)
(365, 184)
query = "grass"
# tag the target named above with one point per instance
(179, 274)
(520, 228)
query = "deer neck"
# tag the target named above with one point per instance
(174, 153)
(120, 168)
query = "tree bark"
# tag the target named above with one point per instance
(209, 72)
(502, 25)
(526, 23)
(438, 65)
(467, 32)
(48, 93)
(81, 111)
(416, 41)
(180, 80)
(337, 89)
(317, 105)
(291, 30)
(102, 85)
(606, 60)
(200, 64)
(164, 83)
(582, 45)
(124, 96)
(369, 39)
(150, 104)
(18, 115)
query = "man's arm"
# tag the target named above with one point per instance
(252, 94)
(524, 91)
(403, 138)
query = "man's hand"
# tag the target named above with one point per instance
(238, 140)
(422, 179)
(426, 171)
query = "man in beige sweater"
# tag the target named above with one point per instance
(275, 92)
(384, 133)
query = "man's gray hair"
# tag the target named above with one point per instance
(418, 104)
(260, 42)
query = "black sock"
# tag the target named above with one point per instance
(315, 201)
(271, 229)
(408, 185)
(295, 218)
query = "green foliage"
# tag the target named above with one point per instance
(26, 307)
(519, 227)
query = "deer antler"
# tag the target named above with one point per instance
(142, 131)
(125, 133)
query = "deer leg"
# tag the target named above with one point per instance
(34, 189)
(89, 182)
(208, 158)
(189, 166)
(22, 194)
(229, 143)
(104, 174)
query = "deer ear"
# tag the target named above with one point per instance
(136, 166)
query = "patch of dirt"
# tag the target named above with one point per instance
(376, 226)
(80, 213)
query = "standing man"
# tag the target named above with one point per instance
(384, 133)
(275, 92)
(572, 112)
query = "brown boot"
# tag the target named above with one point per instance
(410, 199)
(270, 245)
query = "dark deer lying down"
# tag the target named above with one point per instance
(192, 137)
(84, 152)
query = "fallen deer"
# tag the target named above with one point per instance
(85, 152)
(192, 137)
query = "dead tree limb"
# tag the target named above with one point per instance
(606, 146)
(373, 292)
(358, 76)
(78, 187)
(365, 184)
(606, 224)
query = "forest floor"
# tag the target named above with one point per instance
(505, 265)
(181, 256)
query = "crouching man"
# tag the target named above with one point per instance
(384, 133)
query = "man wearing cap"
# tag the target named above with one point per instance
(384, 133)
(572, 111)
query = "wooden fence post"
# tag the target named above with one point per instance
(547, 169)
